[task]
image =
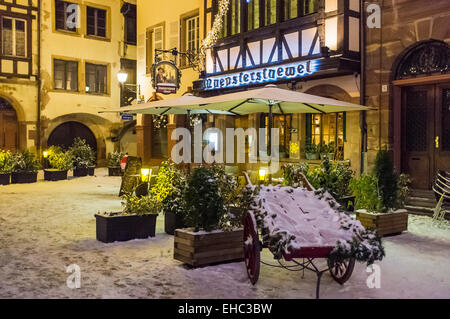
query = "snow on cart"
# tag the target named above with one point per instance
(300, 225)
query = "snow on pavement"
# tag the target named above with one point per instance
(46, 226)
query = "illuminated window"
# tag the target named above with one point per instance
(96, 78)
(270, 12)
(326, 128)
(65, 75)
(310, 6)
(253, 14)
(284, 125)
(290, 9)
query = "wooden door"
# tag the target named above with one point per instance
(442, 134)
(425, 132)
(8, 130)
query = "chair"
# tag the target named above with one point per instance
(441, 188)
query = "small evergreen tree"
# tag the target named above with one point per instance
(387, 179)
(203, 201)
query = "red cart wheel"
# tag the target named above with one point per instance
(252, 249)
(341, 270)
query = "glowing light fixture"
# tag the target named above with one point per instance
(262, 174)
(122, 76)
(45, 154)
(146, 174)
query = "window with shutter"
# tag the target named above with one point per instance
(13, 37)
(96, 78)
(65, 75)
(96, 22)
(64, 13)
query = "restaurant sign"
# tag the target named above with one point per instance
(261, 75)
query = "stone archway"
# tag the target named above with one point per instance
(65, 134)
(352, 139)
(100, 128)
(421, 95)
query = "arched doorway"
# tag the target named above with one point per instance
(9, 127)
(422, 111)
(64, 135)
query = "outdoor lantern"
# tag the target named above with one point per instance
(146, 174)
(262, 174)
(122, 76)
(45, 154)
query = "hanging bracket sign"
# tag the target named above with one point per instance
(166, 77)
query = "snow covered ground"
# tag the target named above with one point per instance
(47, 226)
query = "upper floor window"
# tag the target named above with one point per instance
(290, 9)
(232, 21)
(270, 12)
(96, 22)
(192, 37)
(13, 37)
(65, 15)
(65, 75)
(253, 14)
(155, 41)
(129, 13)
(96, 78)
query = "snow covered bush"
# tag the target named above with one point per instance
(365, 190)
(25, 162)
(58, 159)
(114, 159)
(291, 218)
(203, 203)
(168, 188)
(82, 154)
(6, 162)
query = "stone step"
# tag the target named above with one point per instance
(422, 202)
(422, 193)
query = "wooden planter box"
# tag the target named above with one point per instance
(80, 172)
(173, 221)
(204, 248)
(5, 179)
(23, 177)
(114, 171)
(122, 228)
(384, 224)
(54, 175)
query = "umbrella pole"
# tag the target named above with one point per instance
(269, 151)
(188, 126)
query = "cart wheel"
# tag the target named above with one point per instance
(252, 249)
(341, 270)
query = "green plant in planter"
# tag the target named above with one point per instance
(311, 148)
(25, 162)
(58, 159)
(136, 205)
(334, 178)
(387, 179)
(365, 190)
(6, 162)
(82, 154)
(169, 187)
(403, 182)
(114, 159)
(202, 200)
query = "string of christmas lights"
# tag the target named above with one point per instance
(214, 33)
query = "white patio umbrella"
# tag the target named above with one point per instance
(186, 104)
(271, 99)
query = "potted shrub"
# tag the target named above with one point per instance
(311, 152)
(380, 197)
(83, 158)
(204, 207)
(25, 168)
(114, 159)
(60, 162)
(136, 221)
(168, 191)
(327, 151)
(6, 164)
